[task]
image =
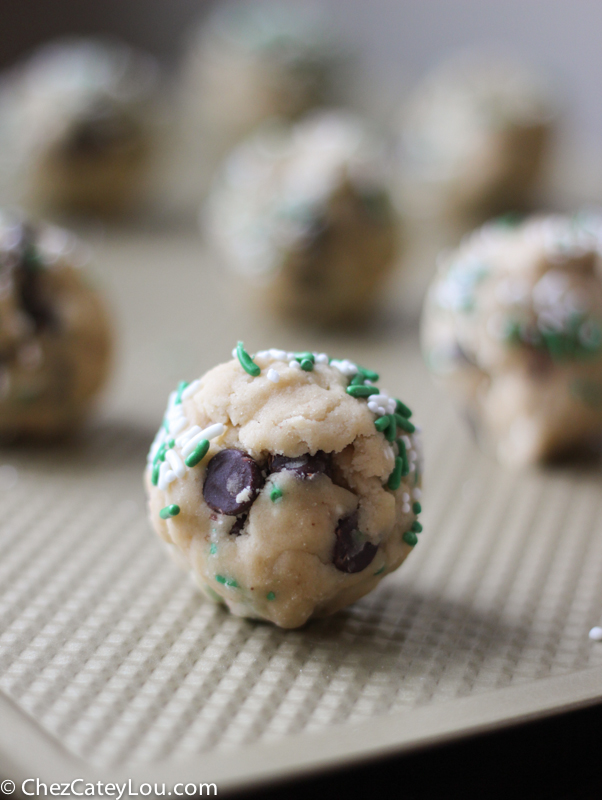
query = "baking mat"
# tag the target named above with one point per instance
(125, 669)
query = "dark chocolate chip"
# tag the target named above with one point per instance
(229, 473)
(239, 524)
(352, 552)
(304, 466)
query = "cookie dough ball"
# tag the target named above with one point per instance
(78, 123)
(474, 139)
(513, 325)
(287, 485)
(255, 60)
(54, 333)
(303, 214)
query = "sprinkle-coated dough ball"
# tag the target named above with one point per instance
(54, 334)
(474, 138)
(78, 125)
(303, 213)
(286, 485)
(513, 325)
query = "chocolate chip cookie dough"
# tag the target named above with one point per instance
(513, 326)
(287, 484)
(302, 214)
(54, 333)
(77, 124)
(474, 138)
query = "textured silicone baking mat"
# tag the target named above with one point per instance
(122, 665)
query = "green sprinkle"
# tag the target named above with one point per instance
(171, 443)
(231, 582)
(381, 570)
(416, 526)
(246, 362)
(402, 409)
(410, 538)
(394, 481)
(221, 579)
(198, 454)
(165, 423)
(155, 475)
(160, 454)
(369, 374)
(181, 386)
(357, 380)
(169, 511)
(405, 424)
(271, 596)
(382, 423)
(404, 456)
(307, 365)
(361, 391)
(416, 508)
(275, 494)
(391, 429)
(213, 549)
(305, 355)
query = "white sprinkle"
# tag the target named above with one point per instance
(294, 365)
(190, 389)
(234, 353)
(176, 463)
(175, 412)
(373, 406)
(177, 425)
(406, 508)
(381, 399)
(166, 476)
(417, 493)
(290, 356)
(405, 497)
(181, 440)
(157, 442)
(262, 354)
(391, 405)
(596, 634)
(382, 411)
(368, 382)
(209, 433)
(273, 376)
(321, 358)
(406, 440)
(278, 355)
(244, 495)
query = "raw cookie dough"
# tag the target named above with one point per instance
(54, 333)
(474, 138)
(287, 485)
(77, 122)
(303, 214)
(513, 325)
(251, 61)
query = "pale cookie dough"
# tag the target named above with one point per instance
(251, 61)
(474, 139)
(78, 126)
(513, 325)
(55, 338)
(286, 485)
(302, 214)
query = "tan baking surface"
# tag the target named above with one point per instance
(127, 671)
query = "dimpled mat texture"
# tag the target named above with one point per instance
(116, 655)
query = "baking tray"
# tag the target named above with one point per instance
(113, 667)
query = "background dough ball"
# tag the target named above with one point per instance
(513, 325)
(303, 213)
(54, 334)
(474, 137)
(78, 123)
(287, 493)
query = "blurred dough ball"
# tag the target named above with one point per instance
(302, 214)
(513, 326)
(78, 126)
(55, 338)
(249, 62)
(474, 139)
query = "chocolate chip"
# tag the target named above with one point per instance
(239, 524)
(232, 482)
(304, 466)
(352, 552)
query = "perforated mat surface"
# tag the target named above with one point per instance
(111, 650)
